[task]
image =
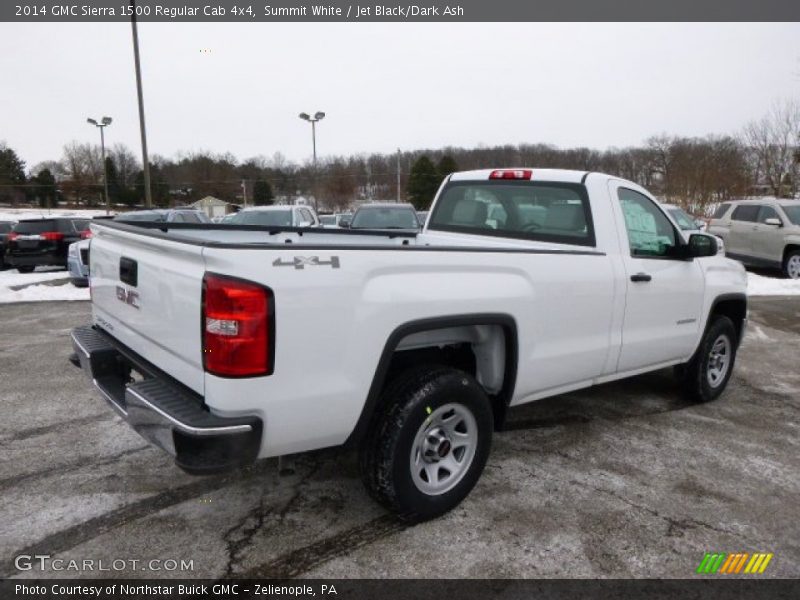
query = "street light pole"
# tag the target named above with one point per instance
(398, 175)
(148, 199)
(318, 116)
(104, 122)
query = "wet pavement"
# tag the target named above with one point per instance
(623, 480)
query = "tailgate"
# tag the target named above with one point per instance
(146, 293)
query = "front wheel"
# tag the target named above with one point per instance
(707, 373)
(428, 447)
(791, 266)
(26, 269)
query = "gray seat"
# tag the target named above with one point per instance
(565, 217)
(471, 213)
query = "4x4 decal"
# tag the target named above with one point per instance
(301, 262)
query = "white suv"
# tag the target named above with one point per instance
(761, 233)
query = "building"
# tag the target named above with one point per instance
(213, 207)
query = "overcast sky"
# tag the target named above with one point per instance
(385, 86)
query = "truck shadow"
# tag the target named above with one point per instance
(648, 394)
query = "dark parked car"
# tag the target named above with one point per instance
(5, 229)
(42, 242)
(384, 216)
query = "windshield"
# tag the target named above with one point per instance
(385, 217)
(683, 220)
(793, 212)
(5, 227)
(273, 218)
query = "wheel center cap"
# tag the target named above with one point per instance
(443, 448)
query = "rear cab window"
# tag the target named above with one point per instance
(540, 211)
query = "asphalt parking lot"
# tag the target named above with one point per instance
(625, 480)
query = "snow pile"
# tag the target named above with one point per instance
(35, 288)
(18, 214)
(759, 285)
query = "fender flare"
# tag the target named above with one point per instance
(500, 402)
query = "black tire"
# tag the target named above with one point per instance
(26, 269)
(386, 454)
(791, 272)
(694, 375)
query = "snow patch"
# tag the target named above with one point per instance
(760, 285)
(35, 289)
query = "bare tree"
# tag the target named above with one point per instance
(773, 141)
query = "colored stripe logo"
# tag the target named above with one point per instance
(722, 563)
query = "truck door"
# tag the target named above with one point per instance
(664, 294)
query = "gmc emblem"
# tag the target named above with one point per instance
(129, 297)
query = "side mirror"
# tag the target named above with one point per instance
(701, 245)
(773, 221)
(345, 223)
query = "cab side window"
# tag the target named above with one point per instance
(767, 212)
(650, 232)
(746, 212)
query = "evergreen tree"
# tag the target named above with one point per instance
(262, 193)
(44, 189)
(114, 186)
(447, 165)
(12, 174)
(423, 182)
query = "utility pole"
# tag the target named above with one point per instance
(244, 193)
(148, 199)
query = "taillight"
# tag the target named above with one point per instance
(52, 236)
(511, 174)
(238, 327)
(12, 236)
(86, 234)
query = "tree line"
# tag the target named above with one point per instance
(695, 172)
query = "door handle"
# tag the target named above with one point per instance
(640, 277)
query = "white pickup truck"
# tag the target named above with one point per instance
(226, 344)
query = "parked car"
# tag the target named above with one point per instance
(418, 342)
(42, 242)
(761, 233)
(276, 216)
(422, 216)
(5, 229)
(380, 215)
(684, 220)
(166, 215)
(328, 221)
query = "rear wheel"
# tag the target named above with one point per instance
(791, 266)
(427, 448)
(26, 269)
(705, 376)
